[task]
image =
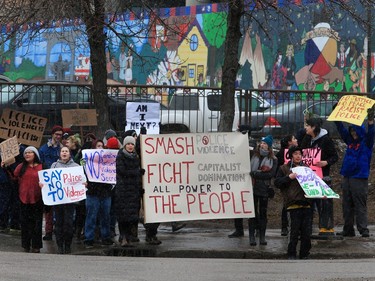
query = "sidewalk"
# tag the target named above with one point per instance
(213, 243)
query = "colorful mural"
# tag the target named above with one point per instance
(186, 48)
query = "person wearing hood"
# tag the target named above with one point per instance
(297, 205)
(318, 138)
(355, 170)
(64, 213)
(30, 194)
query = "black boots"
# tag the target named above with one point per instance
(252, 235)
(262, 237)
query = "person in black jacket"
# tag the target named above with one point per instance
(318, 138)
(128, 190)
(296, 204)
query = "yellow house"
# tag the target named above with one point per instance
(193, 52)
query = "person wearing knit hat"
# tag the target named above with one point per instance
(268, 140)
(129, 139)
(30, 195)
(57, 128)
(109, 134)
(113, 143)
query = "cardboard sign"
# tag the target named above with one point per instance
(100, 165)
(196, 177)
(28, 128)
(351, 109)
(312, 185)
(9, 149)
(78, 117)
(63, 185)
(143, 115)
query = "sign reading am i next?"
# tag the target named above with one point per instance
(196, 176)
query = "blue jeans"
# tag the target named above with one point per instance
(95, 207)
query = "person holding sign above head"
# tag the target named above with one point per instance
(355, 171)
(128, 190)
(318, 139)
(64, 213)
(31, 211)
(263, 168)
(298, 206)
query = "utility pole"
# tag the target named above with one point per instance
(369, 51)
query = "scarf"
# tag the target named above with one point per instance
(256, 163)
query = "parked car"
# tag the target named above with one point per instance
(50, 97)
(288, 117)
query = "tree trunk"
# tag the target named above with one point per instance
(230, 66)
(94, 20)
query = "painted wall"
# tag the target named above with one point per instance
(308, 52)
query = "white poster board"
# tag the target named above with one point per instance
(312, 185)
(145, 114)
(196, 177)
(63, 185)
(100, 165)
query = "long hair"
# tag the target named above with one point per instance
(25, 164)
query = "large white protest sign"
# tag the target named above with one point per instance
(312, 185)
(196, 177)
(100, 165)
(63, 185)
(145, 114)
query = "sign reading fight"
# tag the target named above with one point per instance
(312, 185)
(63, 185)
(351, 109)
(143, 115)
(100, 165)
(196, 176)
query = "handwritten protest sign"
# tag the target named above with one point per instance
(100, 165)
(9, 149)
(351, 109)
(63, 185)
(28, 128)
(78, 117)
(310, 157)
(196, 177)
(143, 115)
(312, 185)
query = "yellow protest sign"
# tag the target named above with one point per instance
(351, 109)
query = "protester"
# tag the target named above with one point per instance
(298, 206)
(49, 153)
(64, 213)
(30, 194)
(128, 189)
(318, 138)
(285, 143)
(98, 207)
(355, 171)
(263, 168)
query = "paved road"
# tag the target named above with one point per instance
(20, 266)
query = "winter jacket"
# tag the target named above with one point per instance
(49, 154)
(327, 146)
(128, 186)
(60, 164)
(291, 190)
(357, 159)
(262, 178)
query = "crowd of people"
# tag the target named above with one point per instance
(106, 206)
(298, 210)
(93, 220)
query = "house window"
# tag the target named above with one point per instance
(193, 42)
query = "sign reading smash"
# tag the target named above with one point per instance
(63, 185)
(312, 185)
(196, 176)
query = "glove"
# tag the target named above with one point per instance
(370, 113)
(142, 171)
(82, 162)
(265, 168)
